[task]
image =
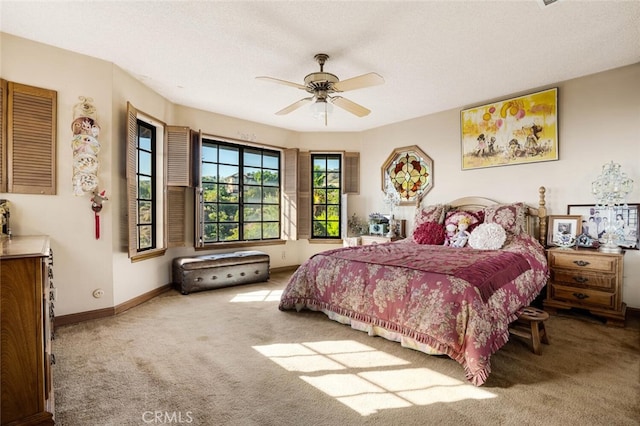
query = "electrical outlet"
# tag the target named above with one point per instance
(98, 293)
(284, 254)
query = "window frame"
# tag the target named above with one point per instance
(135, 255)
(153, 190)
(326, 157)
(242, 149)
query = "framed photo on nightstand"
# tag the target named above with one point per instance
(563, 230)
(594, 222)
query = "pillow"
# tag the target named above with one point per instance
(434, 213)
(510, 216)
(488, 236)
(475, 218)
(429, 233)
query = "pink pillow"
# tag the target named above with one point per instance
(429, 233)
(475, 218)
(510, 216)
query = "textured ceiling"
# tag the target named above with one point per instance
(433, 55)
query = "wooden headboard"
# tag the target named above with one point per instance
(536, 216)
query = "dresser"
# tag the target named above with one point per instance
(26, 293)
(586, 279)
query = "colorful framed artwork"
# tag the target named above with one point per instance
(410, 171)
(513, 131)
(595, 219)
(563, 231)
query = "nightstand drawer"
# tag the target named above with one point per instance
(583, 262)
(586, 279)
(583, 297)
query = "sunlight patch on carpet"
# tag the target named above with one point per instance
(258, 296)
(365, 390)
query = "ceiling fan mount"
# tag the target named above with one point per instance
(321, 85)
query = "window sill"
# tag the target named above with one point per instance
(234, 244)
(325, 241)
(149, 254)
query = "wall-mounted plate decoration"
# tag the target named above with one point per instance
(85, 147)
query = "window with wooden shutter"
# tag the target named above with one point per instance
(178, 156)
(31, 139)
(136, 185)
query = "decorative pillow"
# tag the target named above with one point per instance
(429, 233)
(488, 236)
(434, 213)
(510, 216)
(475, 218)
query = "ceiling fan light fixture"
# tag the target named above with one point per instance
(320, 109)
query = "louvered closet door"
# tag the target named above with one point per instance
(31, 140)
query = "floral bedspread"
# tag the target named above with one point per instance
(457, 301)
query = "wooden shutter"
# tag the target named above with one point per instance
(351, 173)
(290, 195)
(3, 136)
(176, 215)
(132, 190)
(178, 156)
(290, 171)
(304, 195)
(31, 140)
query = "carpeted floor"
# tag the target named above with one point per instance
(230, 357)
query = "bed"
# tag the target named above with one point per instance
(432, 297)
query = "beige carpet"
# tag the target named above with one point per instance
(230, 357)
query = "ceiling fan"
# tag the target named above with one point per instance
(322, 84)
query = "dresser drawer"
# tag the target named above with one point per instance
(583, 262)
(584, 279)
(583, 297)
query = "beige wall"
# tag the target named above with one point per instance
(597, 116)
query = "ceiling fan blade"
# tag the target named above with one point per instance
(360, 82)
(294, 106)
(350, 106)
(285, 82)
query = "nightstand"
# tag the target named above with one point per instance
(586, 279)
(367, 240)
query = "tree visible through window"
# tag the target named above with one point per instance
(326, 178)
(240, 193)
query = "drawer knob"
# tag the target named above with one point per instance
(580, 262)
(580, 280)
(580, 296)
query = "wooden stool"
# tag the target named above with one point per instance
(530, 326)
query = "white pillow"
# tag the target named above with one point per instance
(488, 236)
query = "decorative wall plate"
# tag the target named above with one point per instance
(85, 163)
(86, 144)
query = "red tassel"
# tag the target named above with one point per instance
(97, 218)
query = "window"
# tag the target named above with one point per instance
(325, 203)
(146, 200)
(146, 183)
(240, 193)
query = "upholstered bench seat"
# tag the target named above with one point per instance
(206, 272)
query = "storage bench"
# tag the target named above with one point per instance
(206, 272)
